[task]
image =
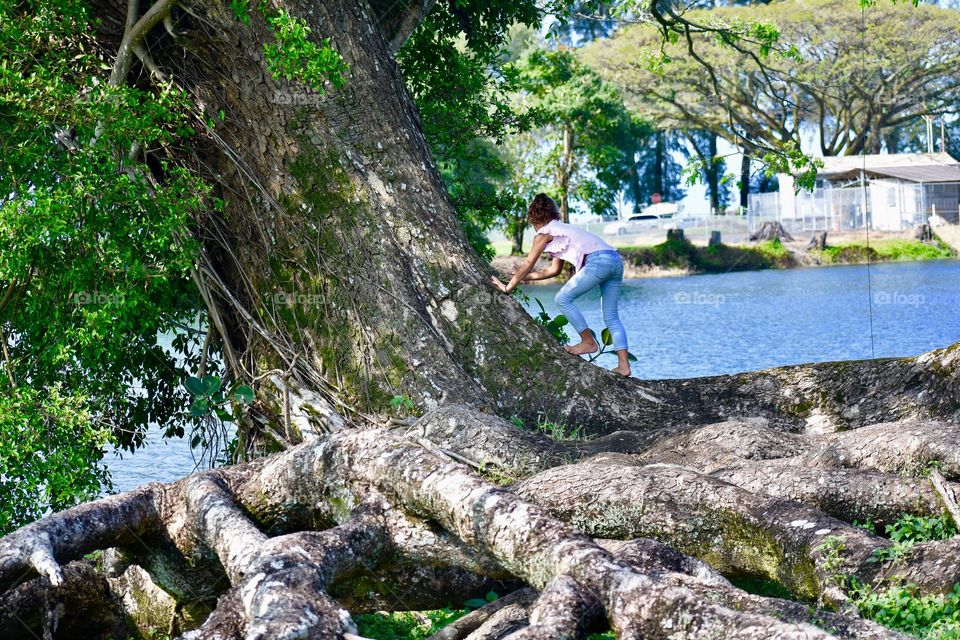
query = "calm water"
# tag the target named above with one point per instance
(712, 324)
(706, 325)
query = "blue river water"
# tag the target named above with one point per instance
(711, 324)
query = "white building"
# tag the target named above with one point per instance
(883, 192)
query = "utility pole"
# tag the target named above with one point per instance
(929, 121)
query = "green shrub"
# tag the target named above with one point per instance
(405, 625)
(902, 607)
(882, 250)
(772, 248)
(51, 452)
(931, 617)
(909, 528)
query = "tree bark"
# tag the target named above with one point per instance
(745, 180)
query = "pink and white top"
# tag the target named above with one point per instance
(571, 243)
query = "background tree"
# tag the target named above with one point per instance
(531, 172)
(456, 67)
(713, 167)
(586, 127)
(656, 169)
(96, 259)
(846, 86)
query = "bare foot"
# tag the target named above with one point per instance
(623, 370)
(582, 347)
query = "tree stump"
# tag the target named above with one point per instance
(771, 230)
(923, 233)
(714, 239)
(675, 235)
(818, 241)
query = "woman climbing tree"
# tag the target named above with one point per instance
(598, 265)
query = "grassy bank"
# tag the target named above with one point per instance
(885, 250)
(684, 256)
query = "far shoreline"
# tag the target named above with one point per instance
(673, 258)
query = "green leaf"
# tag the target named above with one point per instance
(474, 603)
(561, 320)
(631, 357)
(199, 407)
(224, 415)
(194, 386)
(243, 394)
(195, 441)
(607, 337)
(211, 384)
(491, 596)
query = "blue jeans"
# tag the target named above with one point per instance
(603, 269)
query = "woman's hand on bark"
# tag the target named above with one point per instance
(498, 284)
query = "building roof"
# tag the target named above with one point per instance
(911, 167)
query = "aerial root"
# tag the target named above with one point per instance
(562, 611)
(464, 626)
(522, 538)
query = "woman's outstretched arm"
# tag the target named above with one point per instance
(539, 242)
(555, 269)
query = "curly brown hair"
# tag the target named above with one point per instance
(542, 210)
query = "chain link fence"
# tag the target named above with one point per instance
(883, 205)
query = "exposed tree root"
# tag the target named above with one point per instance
(372, 519)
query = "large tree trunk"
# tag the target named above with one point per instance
(339, 260)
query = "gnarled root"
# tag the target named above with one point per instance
(357, 518)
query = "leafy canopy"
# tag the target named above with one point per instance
(95, 261)
(588, 139)
(461, 78)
